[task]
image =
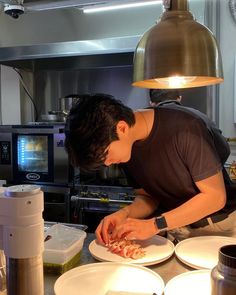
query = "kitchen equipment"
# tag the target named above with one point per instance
(109, 172)
(99, 278)
(157, 249)
(33, 153)
(223, 275)
(67, 102)
(54, 116)
(191, 282)
(63, 245)
(21, 238)
(201, 252)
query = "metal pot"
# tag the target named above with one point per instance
(54, 116)
(67, 102)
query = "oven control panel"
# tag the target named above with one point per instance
(5, 152)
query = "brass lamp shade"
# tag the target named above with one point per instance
(177, 52)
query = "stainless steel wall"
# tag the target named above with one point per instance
(48, 86)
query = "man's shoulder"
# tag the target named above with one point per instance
(178, 110)
(187, 112)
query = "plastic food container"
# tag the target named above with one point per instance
(62, 247)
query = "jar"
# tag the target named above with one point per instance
(223, 275)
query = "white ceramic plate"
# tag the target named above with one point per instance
(201, 252)
(192, 282)
(157, 250)
(109, 278)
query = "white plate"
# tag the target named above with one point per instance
(108, 277)
(192, 282)
(157, 250)
(201, 252)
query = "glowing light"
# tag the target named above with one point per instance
(119, 6)
(176, 81)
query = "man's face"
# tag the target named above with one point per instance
(119, 151)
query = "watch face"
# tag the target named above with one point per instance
(161, 223)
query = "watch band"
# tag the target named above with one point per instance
(161, 223)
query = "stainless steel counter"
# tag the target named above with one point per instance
(167, 269)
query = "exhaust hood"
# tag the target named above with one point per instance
(68, 39)
(107, 52)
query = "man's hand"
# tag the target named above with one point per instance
(141, 207)
(108, 225)
(135, 229)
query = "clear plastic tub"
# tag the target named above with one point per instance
(62, 247)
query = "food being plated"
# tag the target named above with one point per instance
(126, 249)
(157, 249)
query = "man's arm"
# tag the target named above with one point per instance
(142, 206)
(212, 197)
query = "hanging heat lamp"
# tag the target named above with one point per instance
(177, 52)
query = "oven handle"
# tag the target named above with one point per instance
(100, 200)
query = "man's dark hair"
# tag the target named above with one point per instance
(91, 127)
(159, 95)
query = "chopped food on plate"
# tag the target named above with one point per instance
(126, 249)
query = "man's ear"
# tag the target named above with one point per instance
(122, 128)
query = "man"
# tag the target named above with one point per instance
(159, 97)
(172, 156)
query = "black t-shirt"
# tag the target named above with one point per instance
(182, 148)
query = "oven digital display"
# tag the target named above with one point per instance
(32, 153)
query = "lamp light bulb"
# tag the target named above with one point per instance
(176, 81)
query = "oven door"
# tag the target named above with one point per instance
(33, 157)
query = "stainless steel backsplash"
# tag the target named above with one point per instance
(48, 86)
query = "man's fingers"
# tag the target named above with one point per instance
(98, 234)
(123, 231)
(131, 236)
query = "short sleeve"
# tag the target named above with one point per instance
(197, 149)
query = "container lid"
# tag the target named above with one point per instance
(22, 190)
(61, 237)
(227, 255)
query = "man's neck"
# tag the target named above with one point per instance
(143, 124)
